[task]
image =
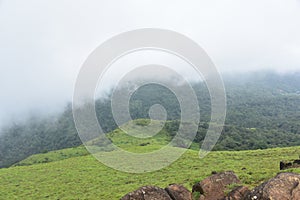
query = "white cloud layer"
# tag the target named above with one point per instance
(44, 43)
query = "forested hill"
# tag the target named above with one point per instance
(263, 110)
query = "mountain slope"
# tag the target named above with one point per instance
(261, 106)
(84, 177)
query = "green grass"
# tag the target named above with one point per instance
(53, 156)
(83, 177)
(135, 144)
(135, 135)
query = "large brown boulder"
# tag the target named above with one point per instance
(148, 193)
(285, 186)
(172, 192)
(178, 192)
(215, 186)
(238, 193)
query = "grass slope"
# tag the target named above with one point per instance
(53, 156)
(83, 177)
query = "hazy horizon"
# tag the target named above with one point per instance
(44, 44)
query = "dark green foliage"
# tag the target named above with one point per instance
(37, 136)
(263, 110)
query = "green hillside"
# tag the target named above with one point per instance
(263, 111)
(53, 156)
(82, 177)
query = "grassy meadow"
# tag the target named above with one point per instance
(74, 174)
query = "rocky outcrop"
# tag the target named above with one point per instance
(178, 192)
(238, 193)
(285, 186)
(148, 193)
(215, 186)
(173, 192)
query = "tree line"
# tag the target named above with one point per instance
(262, 112)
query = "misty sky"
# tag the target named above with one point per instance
(44, 43)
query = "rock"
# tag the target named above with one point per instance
(285, 186)
(178, 192)
(238, 193)
(148, 193)
(214, 187)
(286, 165)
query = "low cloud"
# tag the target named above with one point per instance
(43, 44)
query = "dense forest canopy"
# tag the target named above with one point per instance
(263, 111)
